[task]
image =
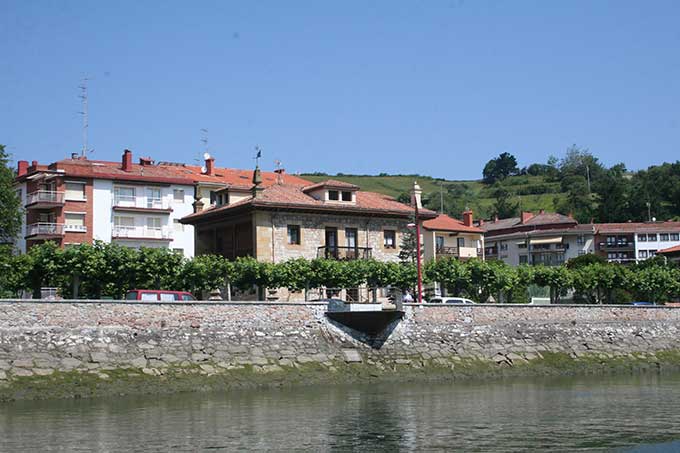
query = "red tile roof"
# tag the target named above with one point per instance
(285, 196)
(546, 218)
(445, 223)
(332, 184)
(670, 250)
(638, 227)
(166, 173)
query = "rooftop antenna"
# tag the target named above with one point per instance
(204, 140)
(258, 155)
(278, 171)
(84, 113)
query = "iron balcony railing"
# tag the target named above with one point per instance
(45, 197)
(45, 229)
(75, 228)
(344, 253)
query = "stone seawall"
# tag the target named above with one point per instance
(82, 349)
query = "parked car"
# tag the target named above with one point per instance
(451, 300)
(642, 303)
(156, 295)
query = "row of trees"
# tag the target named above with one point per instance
(588, 189)
(109, 270)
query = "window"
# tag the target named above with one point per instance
(124, 222)
(351, 237)
(523, 259)
(333, 195)
(74, 221)
(178, 195)
(642, 254)
(153, 198)
(439, 240)
(75, 191)
(651, 237)
(390, 239)
(504, 246)
(132, 295)
(165, 297)
(187, 297)
(149, 296)
(642, 238)
(663, 237)
(611, 241)
(124, 195)
(580, 239)
(153, 223)
(346, 196)
(213, 197)
(177, 225)
(652, 253)
(522, 245)
(294, 234)
(675, 236)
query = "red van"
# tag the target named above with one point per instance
(157, 295)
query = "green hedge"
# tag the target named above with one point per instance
(109, 270)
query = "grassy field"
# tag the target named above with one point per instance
(472, 193)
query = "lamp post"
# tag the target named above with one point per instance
(416, 194)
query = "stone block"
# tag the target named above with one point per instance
(139, 362)
(70, 363)
(351, 355)
(98, 357)
(23, 363)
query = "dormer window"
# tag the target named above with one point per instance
(333, 191)
(333, 195)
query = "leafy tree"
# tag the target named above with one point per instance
(158, 268)
(500, 168)
(205, 273)
(579, 201)
(10, 204)
(491, 278)
(452, 274)
(597, 281)
(585, 260)
(503, 206)
(14, 274)
(656, 283)
(557, 278)
(613, 191)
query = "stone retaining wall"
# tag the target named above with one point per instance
(98, 339)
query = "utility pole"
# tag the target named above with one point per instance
(649, 211)
(441, 197)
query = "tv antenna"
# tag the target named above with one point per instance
(84, 113)
(278, 171)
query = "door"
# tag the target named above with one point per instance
(461, 243)
(352, 244)
(331, 242)
(439, 240)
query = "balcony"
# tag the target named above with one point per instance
(459, 252)
(75, 228)
(44, 199)
(44, 231)
(344, 253)
(140, 204)
(141, 233)
(616, 245)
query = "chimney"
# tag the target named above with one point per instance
(495, 218)
(257, 180)
(74, 156)
(279, 175)
(34, 163)
(22, 167)
(481, 222)
(127, 160)
(198, 205)
(210, 166)
(541, 211)
(526, 216)
(467, 218)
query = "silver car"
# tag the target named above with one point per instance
(451, 300)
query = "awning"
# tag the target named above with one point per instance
(554, 240)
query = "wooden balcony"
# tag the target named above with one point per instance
(344, 253)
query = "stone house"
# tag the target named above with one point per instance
(330, 219)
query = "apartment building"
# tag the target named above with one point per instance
(78, 200)
(631, 242)
(548, 239)
(444, 236)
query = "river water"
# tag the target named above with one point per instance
(638, 413)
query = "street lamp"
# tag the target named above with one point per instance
(416, 194)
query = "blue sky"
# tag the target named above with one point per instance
(430, 87)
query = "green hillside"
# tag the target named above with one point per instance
(532, 192)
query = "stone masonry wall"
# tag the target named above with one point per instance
(41, 338)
